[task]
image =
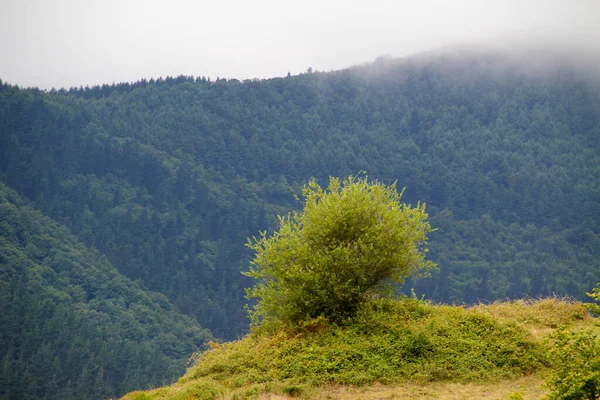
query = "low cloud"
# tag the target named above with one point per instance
(72, 43)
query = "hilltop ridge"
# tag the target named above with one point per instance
(393, 346)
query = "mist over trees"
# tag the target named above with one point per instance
(167, 178)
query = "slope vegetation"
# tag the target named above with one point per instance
(394, 343)
(168, 177)
(72, 327)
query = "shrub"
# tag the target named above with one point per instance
(594, 307)
(576, 360)
(350, 243)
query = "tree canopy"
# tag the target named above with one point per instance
(167, 178)
(71, 326)
(351, 241)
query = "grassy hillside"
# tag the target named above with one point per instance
(394, 349)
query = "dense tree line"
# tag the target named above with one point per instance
(167, 178)
(72, 326)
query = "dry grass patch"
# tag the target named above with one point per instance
(539, 316)
(526, 388)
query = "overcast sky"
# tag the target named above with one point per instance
(64, 43)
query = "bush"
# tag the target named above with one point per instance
(594, 307)
(350, 243)
(576, 361)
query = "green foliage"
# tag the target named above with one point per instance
(576, 359)
(168, 177)
(594, 307)
(402, 341)
(71, 326)
(390, 341)
(350, 242)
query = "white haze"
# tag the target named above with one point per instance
(65, 43)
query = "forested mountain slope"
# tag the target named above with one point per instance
(168, 178)
(71, 326)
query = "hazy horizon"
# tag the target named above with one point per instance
(70, 43)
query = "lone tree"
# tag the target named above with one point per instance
(351, 242)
